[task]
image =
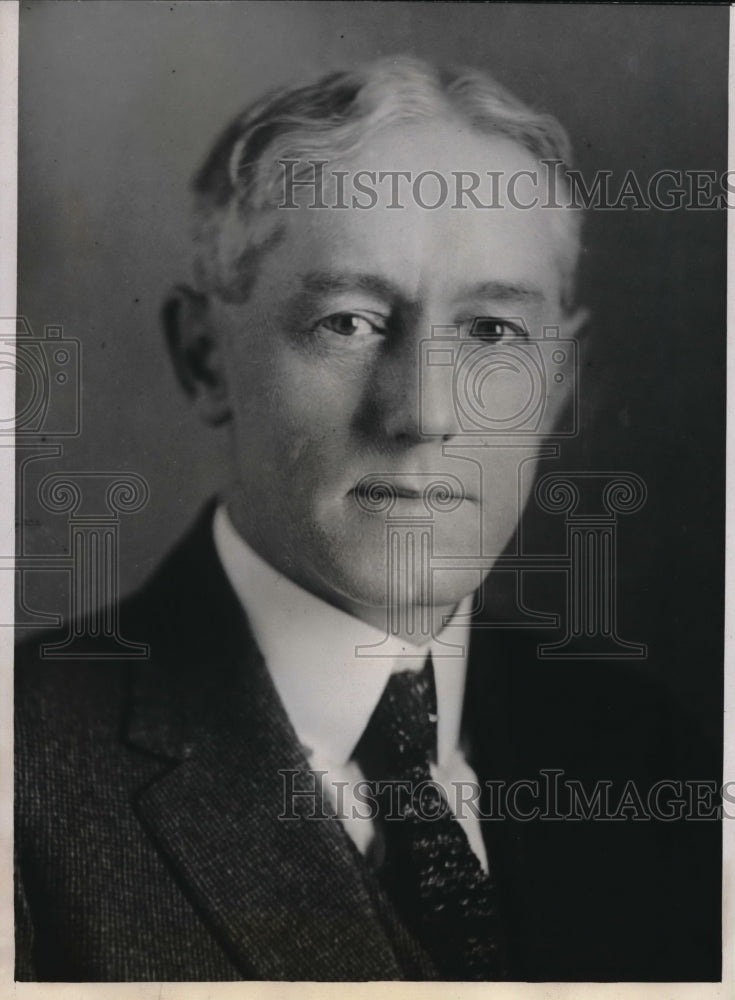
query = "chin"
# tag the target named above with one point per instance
(353, 572)
(363, 585)
(451, 587)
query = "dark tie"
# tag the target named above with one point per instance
(429, 869)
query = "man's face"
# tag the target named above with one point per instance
(328, 382)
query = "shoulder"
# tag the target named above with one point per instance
(610, 716)
(85, 671)
(66, 709)
(80, 693)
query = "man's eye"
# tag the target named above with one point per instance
(492, 329)
(348, 324)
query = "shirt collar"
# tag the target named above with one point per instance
(328, 667)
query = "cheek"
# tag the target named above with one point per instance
(508, 482)
(293, 414)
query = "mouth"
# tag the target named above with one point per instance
(377, 494)
(402, 492)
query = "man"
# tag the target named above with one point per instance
(223, 810)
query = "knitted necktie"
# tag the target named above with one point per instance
(429, 869)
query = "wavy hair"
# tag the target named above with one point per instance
(235, 189)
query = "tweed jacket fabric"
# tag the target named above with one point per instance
(149, 844)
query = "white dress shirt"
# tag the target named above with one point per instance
(329, 687)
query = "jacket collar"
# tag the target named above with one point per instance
(288, 899)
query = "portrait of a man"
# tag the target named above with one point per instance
(388, 707)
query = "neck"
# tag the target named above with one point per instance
(415, 625)
(412, 622)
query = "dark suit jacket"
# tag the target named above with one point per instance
(149, 845)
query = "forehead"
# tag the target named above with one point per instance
(399, 207)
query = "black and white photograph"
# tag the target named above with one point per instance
(369, 366)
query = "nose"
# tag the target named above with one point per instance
(413, 392)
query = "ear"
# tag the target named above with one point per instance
(561, 391)
(575, 323)
(196, 352)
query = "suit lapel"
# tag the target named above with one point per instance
(287, 898)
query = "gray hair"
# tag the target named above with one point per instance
(235, 189)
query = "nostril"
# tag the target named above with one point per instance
(407, 438)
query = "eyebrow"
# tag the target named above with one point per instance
(501, 291)
(334, 282)
(326, 282)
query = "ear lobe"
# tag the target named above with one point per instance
(195, 350)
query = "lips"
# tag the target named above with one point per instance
(402, 492)
(374, 491)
